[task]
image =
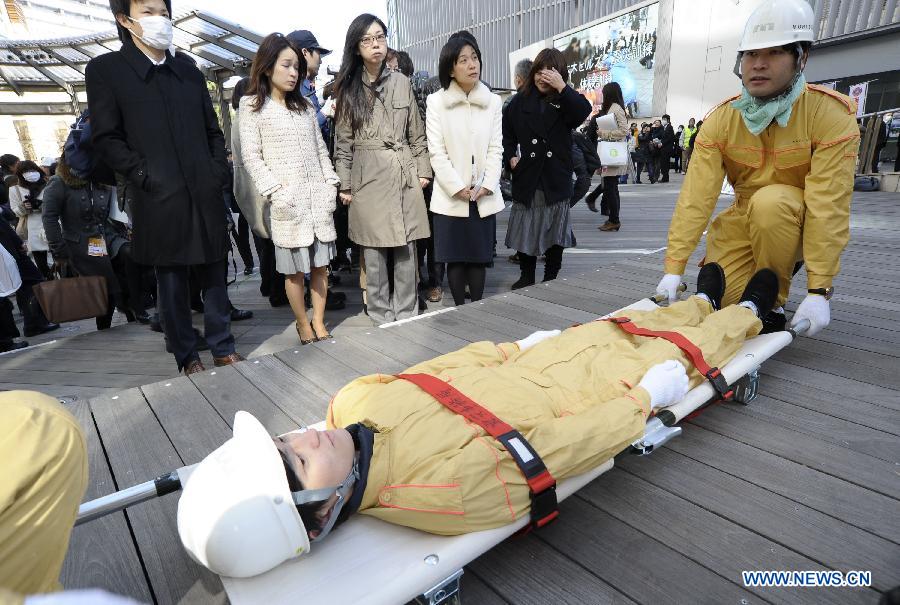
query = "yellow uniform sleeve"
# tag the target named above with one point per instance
(575, 444)
(828, 190)
(699, 194)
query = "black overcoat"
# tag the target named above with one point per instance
(542, 130)
(155, 125)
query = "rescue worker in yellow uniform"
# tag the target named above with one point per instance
(44, 477)
(394, 452)
(789, 149)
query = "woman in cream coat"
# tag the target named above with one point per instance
(463, 123)
(284, 154)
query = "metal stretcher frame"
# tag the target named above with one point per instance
(392, 564)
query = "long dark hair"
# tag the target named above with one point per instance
(353, 102)
(612, 93)
(549, 58)
(34, 189)
(264, 61)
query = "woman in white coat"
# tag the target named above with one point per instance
(463, 123)
(26, 200)
(284, 154)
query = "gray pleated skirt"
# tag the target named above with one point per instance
(289, 261)
(535, 229)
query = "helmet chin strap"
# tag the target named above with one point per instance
(312, 495)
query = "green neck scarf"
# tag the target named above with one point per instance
(758, 114)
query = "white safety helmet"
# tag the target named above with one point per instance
(778, 22)
(236, 515)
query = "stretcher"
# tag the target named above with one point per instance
(369, 561)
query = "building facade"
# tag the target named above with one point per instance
(41, 19)
(694, 43)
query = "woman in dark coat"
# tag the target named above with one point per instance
(644, 154)
(537, 147)
(86, 240)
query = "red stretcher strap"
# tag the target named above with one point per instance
(540, 481)
(714, 375)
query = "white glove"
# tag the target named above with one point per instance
(668, 285)
(817, 310)
(93, 596)
(533, 339)
(667, 383)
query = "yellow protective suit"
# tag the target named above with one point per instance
(43, 481)
(574, 397)
(792, 193)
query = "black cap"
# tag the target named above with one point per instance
(304, 38)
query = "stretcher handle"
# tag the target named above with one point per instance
(801, 328)
(105, 505)
(661, 297)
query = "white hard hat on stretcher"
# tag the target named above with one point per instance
(236, 515)
(778, 22)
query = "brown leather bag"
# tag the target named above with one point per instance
(72, 298)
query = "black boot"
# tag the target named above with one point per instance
(773, 322)
(553, 264)
(762, 290)
(711, 282)
(527, 266)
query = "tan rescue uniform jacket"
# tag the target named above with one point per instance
(573, 397)
(44, 478)
(816, 152)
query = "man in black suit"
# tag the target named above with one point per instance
(667, 139)
(153, 122)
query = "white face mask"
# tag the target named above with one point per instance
(157, 31)
(31, 177)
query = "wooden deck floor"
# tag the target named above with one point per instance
(805, 478)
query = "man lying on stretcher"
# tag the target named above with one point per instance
(578, 397)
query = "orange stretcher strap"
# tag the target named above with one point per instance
(544, 507)
(687, 347)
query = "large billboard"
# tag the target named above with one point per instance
(619, 50)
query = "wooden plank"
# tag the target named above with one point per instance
(876, 394)
(98, 379)
(851, 435)
(319, 368)
(547, 312)
(450, 323)
(609, 549)
(830, 403)
(473, 589)
(824, 493)
(79, 393)
(391, 342)
(718, 544)
(510, 329)
(591, 305)
(889, 378)
(139, 450)
(508, 574)
(190, 422)
(421, 332)
(835, 460)
(362, 359)
(794, 525)
(298, 398)
(229, 391)
(102, 553)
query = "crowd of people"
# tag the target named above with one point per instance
(404, 171)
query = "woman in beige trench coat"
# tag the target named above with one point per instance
(381, 158)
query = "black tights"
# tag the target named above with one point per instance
(459, 275)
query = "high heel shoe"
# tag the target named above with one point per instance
(316, 336)
(609, 226)
(300, 336)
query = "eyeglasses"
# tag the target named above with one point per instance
(368, 41)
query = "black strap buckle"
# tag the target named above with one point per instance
(719, 383)
(544, 507)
